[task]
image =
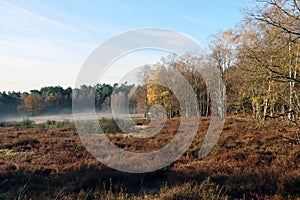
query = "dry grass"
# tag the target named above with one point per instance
(251, 160)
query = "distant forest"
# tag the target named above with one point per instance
(258, 60)
(55, 99)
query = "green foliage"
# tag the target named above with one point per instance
(7, 152)
(110, 125)
(51, 124)
(9, 103)
(26, 124)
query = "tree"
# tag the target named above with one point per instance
(222, 46)
(56, 99)
(154, 89)
(277, 52)
(103, 91)
(9, 103)
(32, 104)
(120, 99)
(166, 85)
(281, 14)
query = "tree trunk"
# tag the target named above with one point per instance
(207, 105)
(290, 116)
(145, 103)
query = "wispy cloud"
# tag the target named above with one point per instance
(17, 10)
(84, 25)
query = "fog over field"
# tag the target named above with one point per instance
(61, 117)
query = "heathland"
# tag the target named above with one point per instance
(251, 160)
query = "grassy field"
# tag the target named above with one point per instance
(252, 160)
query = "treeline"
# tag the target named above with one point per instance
(143, 98)
(258, 60)
(55, 99)
(46, 100)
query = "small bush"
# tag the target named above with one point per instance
(50, 124)
(26, 124)
(64, 124)
(110, 125)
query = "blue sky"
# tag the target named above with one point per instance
(44, 43)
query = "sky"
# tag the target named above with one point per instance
(46, 42)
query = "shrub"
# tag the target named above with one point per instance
(64, 124)
(110, 125)
(50, 124)
(26, 124)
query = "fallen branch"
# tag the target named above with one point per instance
(296, 140)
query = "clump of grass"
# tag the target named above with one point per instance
(104, 125)
(51, 124)
(110, 125)
(64, 124)
(7, 152)
(189, 190)
(100, 194)
(26, 124)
